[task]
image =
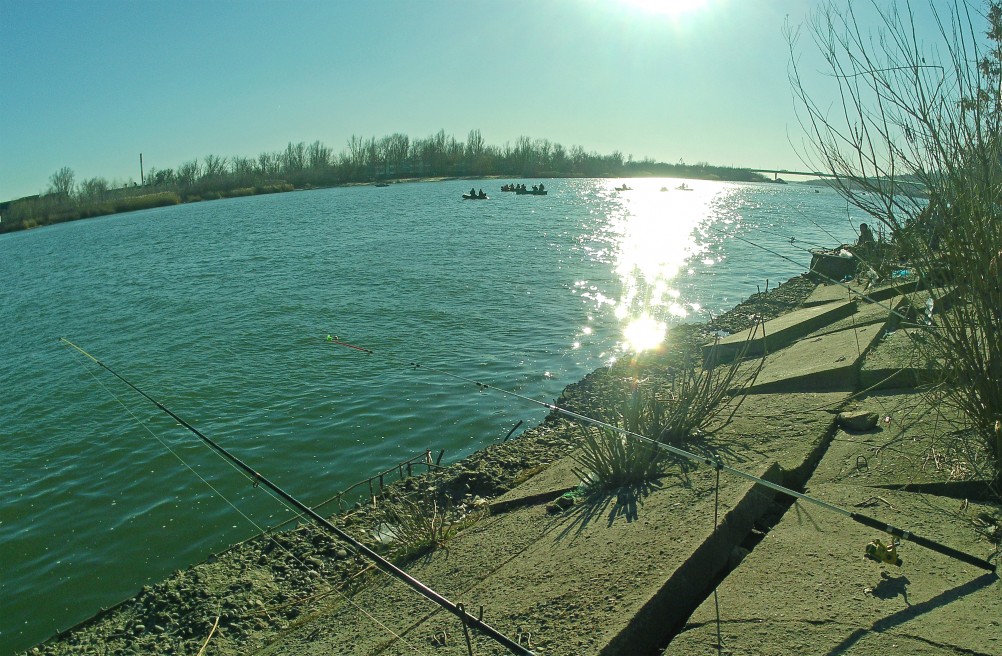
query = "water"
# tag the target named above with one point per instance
(220, 311)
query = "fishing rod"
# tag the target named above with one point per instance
(886, 552)
(386, 566)
(829, 279)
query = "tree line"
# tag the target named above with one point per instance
(303, 166)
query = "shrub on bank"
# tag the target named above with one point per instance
(675, 412)
(274, 188)
(243, 191)
(146, 201)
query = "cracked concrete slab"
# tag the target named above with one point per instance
(778, 332)
(808, 589)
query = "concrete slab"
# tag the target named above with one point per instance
(917, 444)
(832, 293)
(791, 430)
(854, 290)
(616, 567)
(563, 560)
(824, 363)
(807, 588)
(778, 332)
(895, 362)
(866, 314)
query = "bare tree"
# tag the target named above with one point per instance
(294, 158)
(62, 182)
(188, 173)
(319, 157)
(213, 167)
(94, 189)
(914, 141)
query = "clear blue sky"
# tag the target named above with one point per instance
(90, 85)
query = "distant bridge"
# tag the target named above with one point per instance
(816, 174)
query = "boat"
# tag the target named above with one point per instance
(624, 188)
(475, 197)
(531, 192)
(382, 184)
(664, 188)
(683, 187)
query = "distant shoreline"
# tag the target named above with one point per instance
(50, 209)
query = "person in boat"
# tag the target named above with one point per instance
(535, 187)
(473, 192)
(540, 186)
(481, 194)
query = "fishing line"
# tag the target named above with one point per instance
(786, 239)
(829, 279)
(716, 512)
(380, 562)
(841, 283)
(167, 446)
(711, 461)
(260, 529)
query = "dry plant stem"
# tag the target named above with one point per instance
(610, 458)
(209, 637)
(914, 142)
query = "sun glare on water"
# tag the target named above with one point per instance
(654, 239)
(644, 333)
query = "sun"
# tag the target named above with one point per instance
(666, 7)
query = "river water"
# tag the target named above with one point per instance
(221, 310)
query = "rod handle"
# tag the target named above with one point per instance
(925, 542)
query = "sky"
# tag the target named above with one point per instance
(91, 84)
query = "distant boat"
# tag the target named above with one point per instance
(531, 192)
(664, 188)
(382, 184)
(624, 188)
(475, 197)
(684, 187)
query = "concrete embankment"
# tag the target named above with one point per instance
(634, 572)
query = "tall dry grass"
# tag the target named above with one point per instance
(915, 141)
(674, 413)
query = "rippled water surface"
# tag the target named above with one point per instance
(220, 311)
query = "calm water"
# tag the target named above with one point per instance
(220, 310)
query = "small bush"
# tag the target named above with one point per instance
(146, 201)
(414, 527)
(674, 413)
(274, 188)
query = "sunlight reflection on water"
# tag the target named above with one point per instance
(656, 234)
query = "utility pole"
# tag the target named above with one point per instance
(142, 179)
